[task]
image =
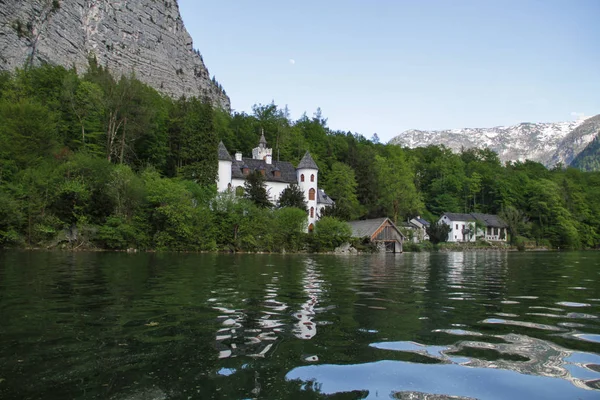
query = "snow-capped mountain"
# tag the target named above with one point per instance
(547, 143)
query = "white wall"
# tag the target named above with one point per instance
(275, 189)
(456, 235)
(224, 175)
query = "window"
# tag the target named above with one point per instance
(311, 228)
(302, 178)
(456, 226)
(312, 178)
(312, 212)
(311, 194)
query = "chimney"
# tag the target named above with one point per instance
(269, 159)
(238, 156)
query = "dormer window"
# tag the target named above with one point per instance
(277, 172)
(245, 169)
(261, 169)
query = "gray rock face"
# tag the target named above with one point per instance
(576, 141)
(547, 143)
(143, 37)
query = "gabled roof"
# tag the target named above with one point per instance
(459, 217)
(288, 172)
(368, 227)
(486, 219)
(422, 221)
(223, 153)
(490, 220)
(307, 162)
(322, 198)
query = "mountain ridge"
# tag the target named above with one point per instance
(549, 143)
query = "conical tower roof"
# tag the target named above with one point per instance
(223, 153)
(262, 140)
(307, 162)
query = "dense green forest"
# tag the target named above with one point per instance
(93, 161)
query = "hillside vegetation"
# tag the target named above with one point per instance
(93, 161)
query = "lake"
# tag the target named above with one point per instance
(484, 325)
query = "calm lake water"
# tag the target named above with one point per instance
(485, 325)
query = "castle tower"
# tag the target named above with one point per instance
(307, 175)
(262, 152)
(224, 173)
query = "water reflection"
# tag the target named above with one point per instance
(306, 328)
(410, 326)
(241, 334)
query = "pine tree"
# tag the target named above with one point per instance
(292, 196)
(256, 189)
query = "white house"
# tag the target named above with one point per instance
(473, 226)
(420, 229)
(279, 175)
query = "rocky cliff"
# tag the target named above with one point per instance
(547, 143)
(144, 37)
(577, 141)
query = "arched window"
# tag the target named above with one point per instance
(311, 228)
(312, 212)
(302, 178)
(311, 194)
(312, 178)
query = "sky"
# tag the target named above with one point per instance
(386, 66)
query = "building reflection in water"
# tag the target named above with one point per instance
(242, 334)
(312, 283)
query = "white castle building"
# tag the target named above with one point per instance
(279, 175)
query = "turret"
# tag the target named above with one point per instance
(307, 175)
(224, 173)
(262, 152)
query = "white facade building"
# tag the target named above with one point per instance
(470, 227)
(278, 176)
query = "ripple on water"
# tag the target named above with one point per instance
(572, 304)
(411, 347)
(521, 323)
(588, 337)
(571, 324)
(458, 332)
(508, 315)
(436, 380)
(575, 315)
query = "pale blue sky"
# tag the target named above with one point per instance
(388, 66)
